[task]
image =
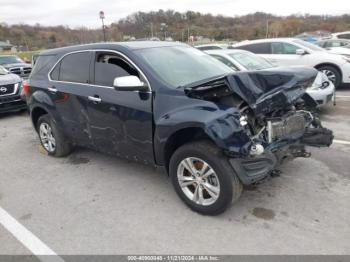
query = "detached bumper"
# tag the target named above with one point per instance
(252, 169)
(12, 103)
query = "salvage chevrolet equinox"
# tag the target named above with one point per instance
(170, 105)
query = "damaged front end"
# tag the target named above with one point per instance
(278, 118)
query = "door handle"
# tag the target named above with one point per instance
(52, 89)
(95, 99)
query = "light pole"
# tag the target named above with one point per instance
(163, 27)
(102, 16)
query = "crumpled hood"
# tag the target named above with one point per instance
(9, 79)
(263, 90)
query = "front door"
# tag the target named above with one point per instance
(284, 54)
(120, 121)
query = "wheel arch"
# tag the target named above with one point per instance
(36, 113)
(181, 137)
(332, 65)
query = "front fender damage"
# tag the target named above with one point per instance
(228, 134)
(280, 119)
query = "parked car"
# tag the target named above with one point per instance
(322, 89)
(336, 46)
(171, 105)
(11, 92)
(291, 51)
(15, 65)
(341, 35)
(212, 46)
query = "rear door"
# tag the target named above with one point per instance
(262, 49)
(70, 84)
(120, 121)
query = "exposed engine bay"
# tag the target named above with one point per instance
(275, 112)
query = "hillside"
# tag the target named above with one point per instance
(174, 24)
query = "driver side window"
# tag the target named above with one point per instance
(108, 66)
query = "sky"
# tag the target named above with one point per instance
(75, 13)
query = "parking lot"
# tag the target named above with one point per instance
(90, 203)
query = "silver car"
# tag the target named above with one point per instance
(322, 89)
(11, 92)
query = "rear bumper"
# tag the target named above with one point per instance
(12, 103)
(252, 169)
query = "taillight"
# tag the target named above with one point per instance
(25, 87)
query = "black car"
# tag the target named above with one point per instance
(171, 105)
(11, 92)
(16, 65)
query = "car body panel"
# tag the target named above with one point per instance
(311, 58)
(139, 124)
(11, 93)
(19, 67)
(316, 91)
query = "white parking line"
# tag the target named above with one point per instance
(338, 96)
(27, 238)
(337, 141)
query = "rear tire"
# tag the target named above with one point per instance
(332, 73)
(214, 192)
(51, 138)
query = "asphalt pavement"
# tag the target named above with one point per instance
(91, 203)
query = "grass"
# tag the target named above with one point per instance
(25, 55)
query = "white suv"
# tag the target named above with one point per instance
(290, 51)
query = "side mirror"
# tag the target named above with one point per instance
(300, 52)
(129, 83)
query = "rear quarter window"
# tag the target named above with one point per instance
(344, 36)
(42, 66)
(259, 48)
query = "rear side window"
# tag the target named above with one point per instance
(321, 44)
(344, 36)
(108, 66)
(260, 48)
(283, 48)
(73, 68)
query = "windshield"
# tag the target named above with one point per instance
(3, 71)
(10, 60)
(308, 45)
(251, 61)
(182, 65)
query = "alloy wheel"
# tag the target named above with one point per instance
(46, 137)
(198, 181)
(331, 75)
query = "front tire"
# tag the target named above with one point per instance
(51, 138)
(332, 73)
(203, 178)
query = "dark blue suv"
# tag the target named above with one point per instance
(170, 105)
